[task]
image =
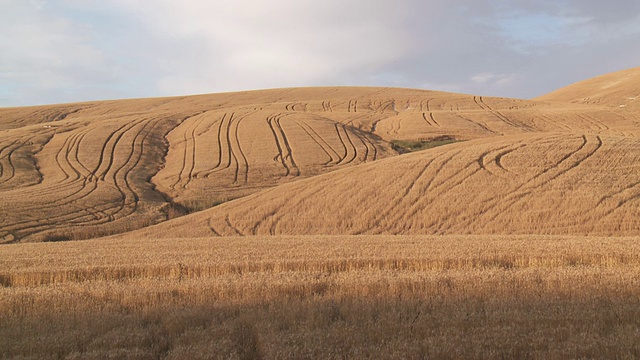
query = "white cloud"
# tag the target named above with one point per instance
(482, 78)
(43, 54)
(72, 50)
(480, 84)
(252, 43)
(494, 79)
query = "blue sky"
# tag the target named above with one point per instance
(76, 50)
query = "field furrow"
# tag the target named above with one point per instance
(476, 187)
(7, 169)
(284, 151)
(189, 159)
(90, 181)
(350, 150)
(242, 170)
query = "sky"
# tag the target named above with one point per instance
(55, 51)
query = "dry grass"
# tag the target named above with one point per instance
(527, 184)
(619, 90)
(92, 169)
(323, 297)
(172, 291)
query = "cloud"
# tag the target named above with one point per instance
(236, 45)
(495, 79)
(44, 57)
(541, 45)
(482, 83)
(73, 50)
(546, 25)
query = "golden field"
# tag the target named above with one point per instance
(532, 184)
(80, 171)
(335, 222)
(323, 297)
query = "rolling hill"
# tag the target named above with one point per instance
(324, 223)
(322, 161)
(528, 184)
(620, 89)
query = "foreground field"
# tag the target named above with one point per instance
(322, 297)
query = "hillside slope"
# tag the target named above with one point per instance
(85, 170)
(75, 171)
(528, 184)
(619, 89)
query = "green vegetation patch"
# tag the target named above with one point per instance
(198, 204)
(407, 146)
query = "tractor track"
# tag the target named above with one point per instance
(8, 151)
(65, 213)
(322, 143)
(504, 202)
(346, 147)
(245, 162)
(484, 106)
(285, 153)
(189, 153)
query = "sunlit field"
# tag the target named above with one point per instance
(86, 170)
(324, 223)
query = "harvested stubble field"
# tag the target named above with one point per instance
(525, 184)
(323, 297)
(81, 171)
(518, 236)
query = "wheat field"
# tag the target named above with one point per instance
(619, 89)
(81, 171)
(533, 184)
(541, 297)
(335, 222)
